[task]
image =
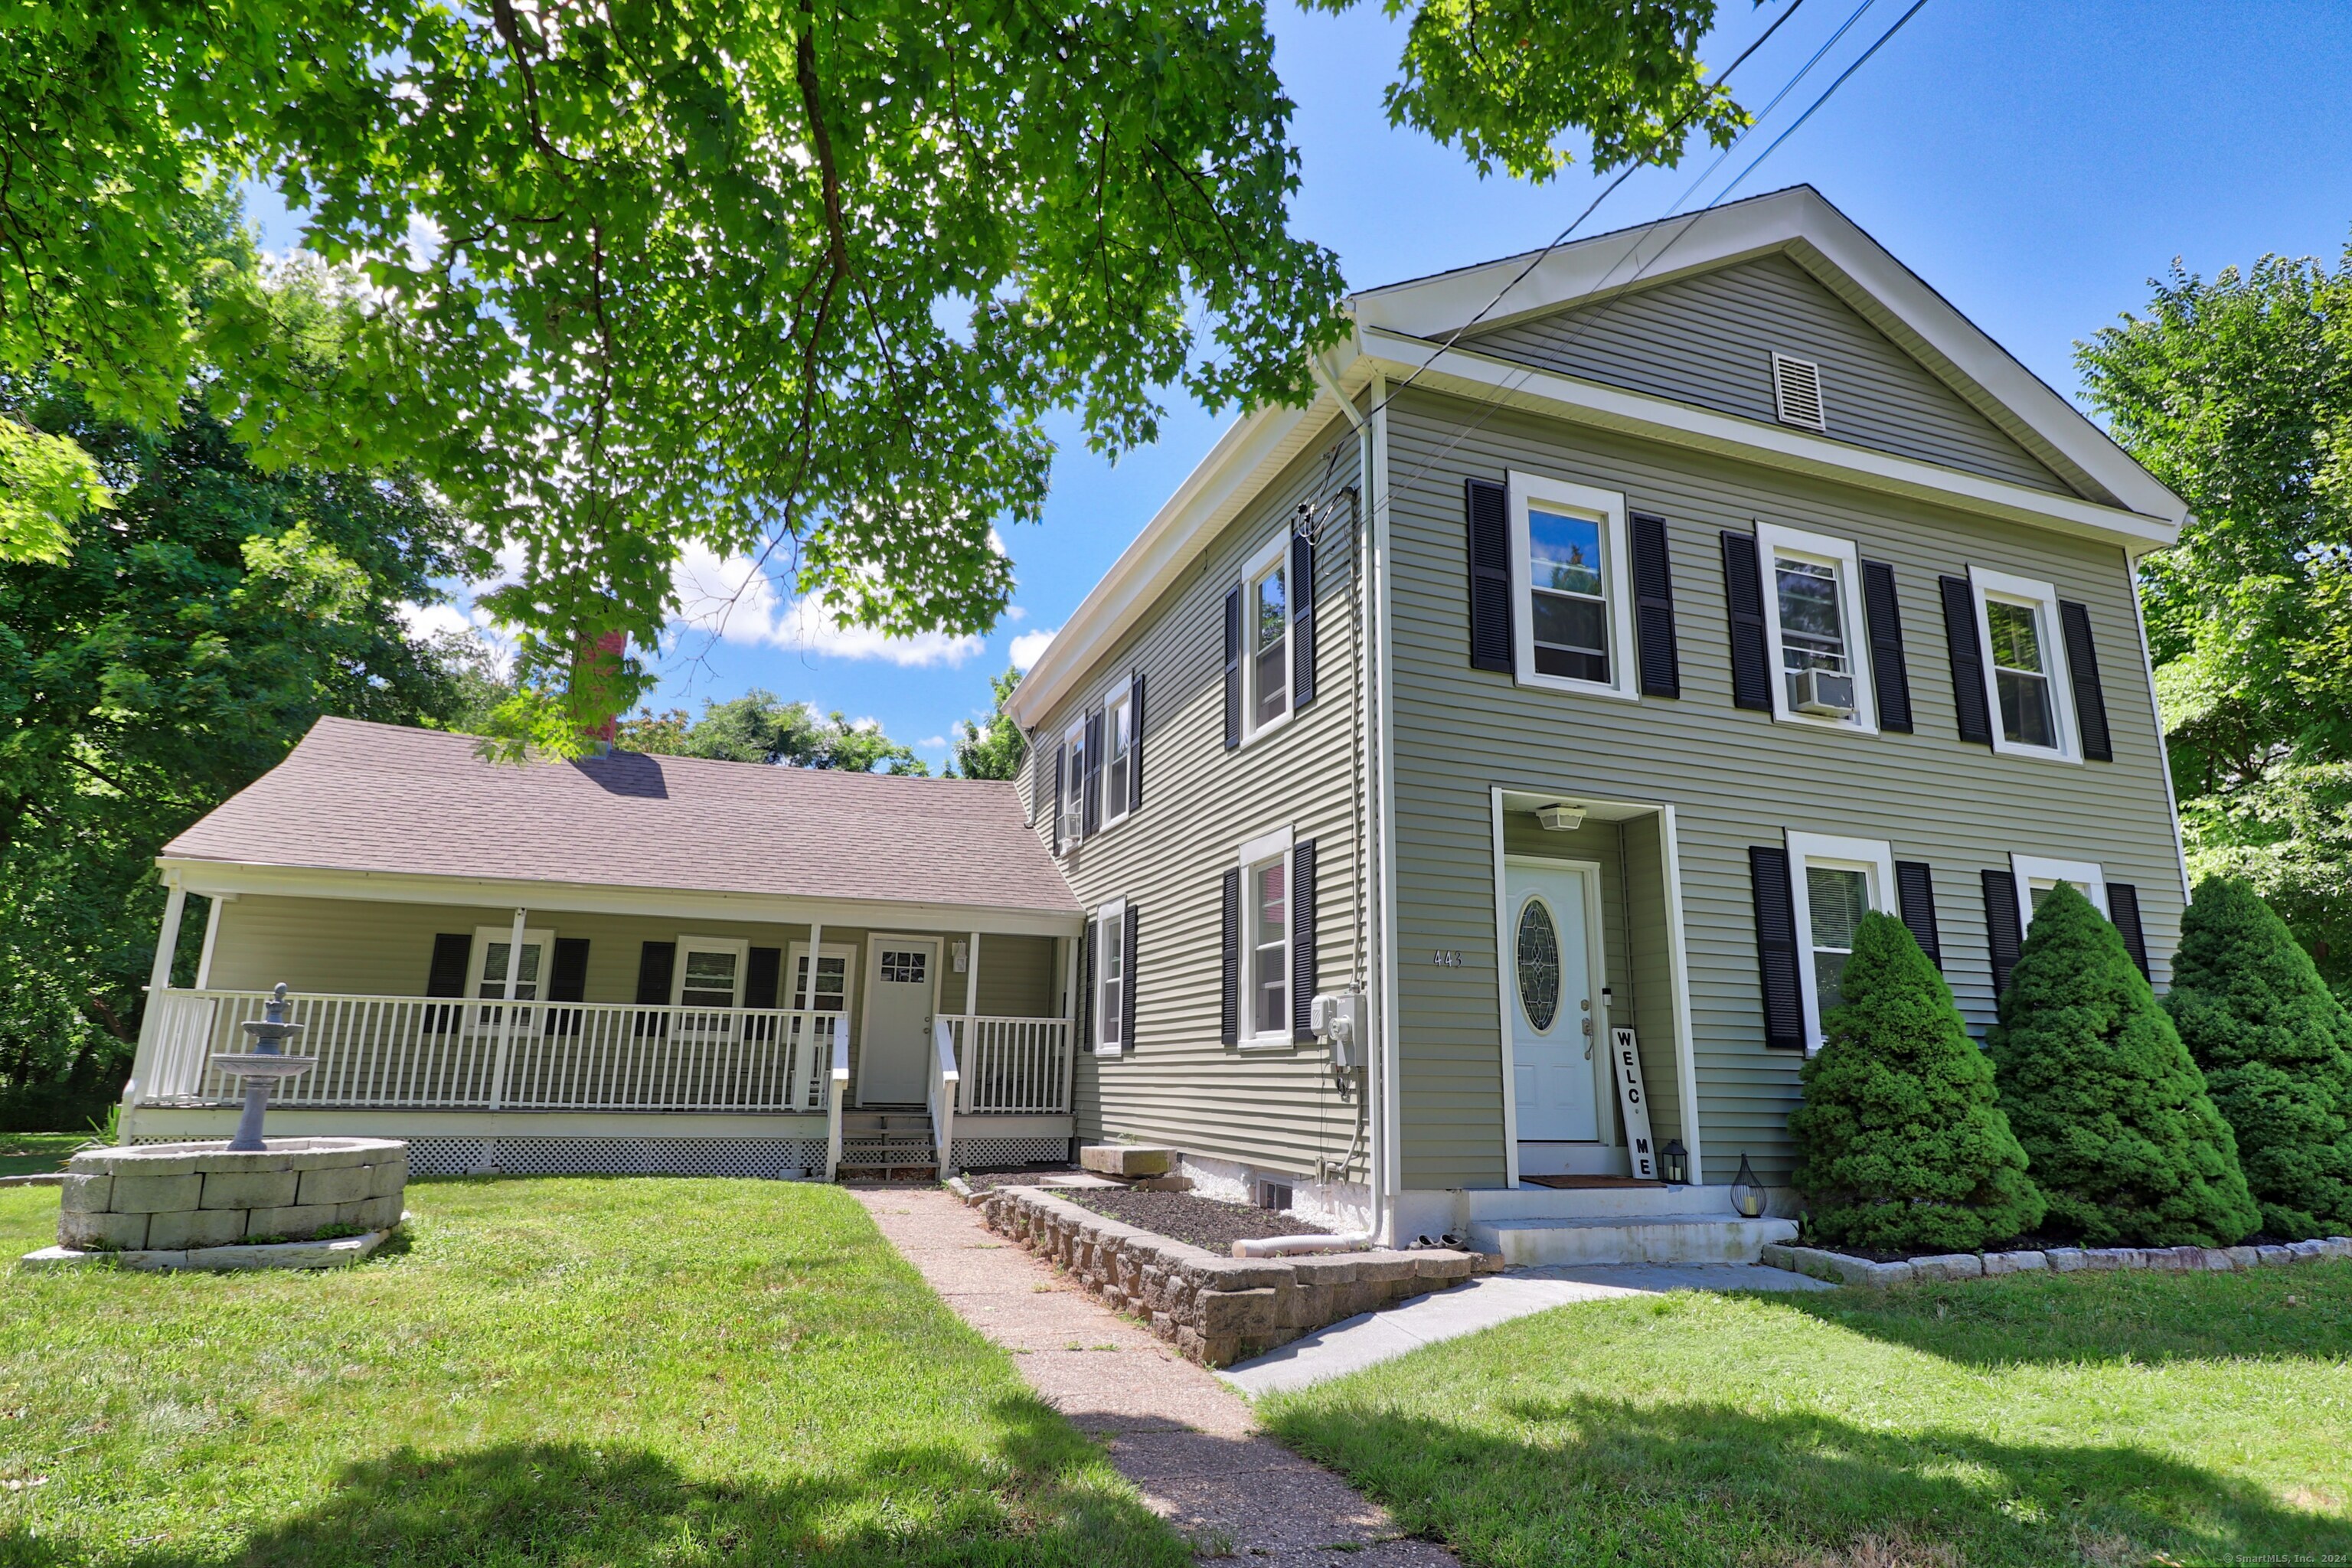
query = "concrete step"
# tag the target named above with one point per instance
(1629, 1238)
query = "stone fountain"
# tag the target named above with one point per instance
(262, 1067)
(250, 1203)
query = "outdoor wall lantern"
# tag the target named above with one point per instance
(1674, 1162)
(1747, 1192)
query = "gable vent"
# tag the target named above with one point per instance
(1797, 392)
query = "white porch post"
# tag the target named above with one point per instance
(970, 1018)
(159, 980)
(837, 1078)
(212, 938)
(507, 1012)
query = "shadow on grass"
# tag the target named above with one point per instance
(1588, 1481)
(1044, 1500)
(2304, 1312)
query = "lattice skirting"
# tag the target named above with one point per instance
(998, 1153)
(774, 1159)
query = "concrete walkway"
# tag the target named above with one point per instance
(1188, 1442)
(1374, 1337)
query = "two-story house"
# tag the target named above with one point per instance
(1617, 626)
(1550, 695)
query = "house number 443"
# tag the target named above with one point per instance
(1446, 958)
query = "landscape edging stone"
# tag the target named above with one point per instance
(1841, 1268)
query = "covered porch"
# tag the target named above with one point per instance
(511, 1023)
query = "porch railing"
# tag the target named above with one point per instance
(1013, 1065)
(417, 1053)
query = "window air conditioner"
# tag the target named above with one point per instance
(1825, 693)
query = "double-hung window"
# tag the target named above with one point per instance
(1572, 618)
(1073, 784)
(2037, 875)
(1813, 616)
(1118, 751)
(493, 952)
(1265, 940)
(2025, 665)
(1835, 882)
(1110, 977)
(709, 977)
(1266, 593)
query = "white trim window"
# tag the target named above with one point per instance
(1265, 940)
(709, 972)
(1073, 827)
(2037, 875)
(833, 964)
(1111, 978)
(1834, 881)
(1813, 617)
(488, 977)
(1266, 638)
(2033, 703)
(1571, 610)
(1119, 750)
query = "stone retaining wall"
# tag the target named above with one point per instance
(1216, 1310)
(1841, 1269)
(176, 1197)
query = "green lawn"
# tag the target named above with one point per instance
(2099, 1419)
(576, 1372)
(23, 1153)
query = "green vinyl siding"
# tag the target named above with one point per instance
(1709, 339)
(1736, 778)
(1280, 1109)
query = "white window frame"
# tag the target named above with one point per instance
(2029, 870)
(1986, 583)
(1274, 554)
(1256, 852)
(1109, 923)
(737, 945)
(1772, 541)
(1119, 698)
(486, 1007)
(1071, 808)
(797, 955)
(1875, 856)
(1608, 508)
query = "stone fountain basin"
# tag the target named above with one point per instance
(255, 1064)
(177, 1196)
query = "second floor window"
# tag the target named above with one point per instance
(1815, 627)
(1570, 588)
(1268, 613)
(1073, 784)
(2020, 676)
(2026, 671)
(1812, 634)
(1119, 749)
(1569, 607)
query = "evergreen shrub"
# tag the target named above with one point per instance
(2123, 1140)
(2275, 1046)
(1901, 1144)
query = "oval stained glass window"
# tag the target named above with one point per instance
(1539, 965)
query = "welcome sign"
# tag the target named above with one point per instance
(1635, 1103)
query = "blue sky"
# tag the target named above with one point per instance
(2037, 163)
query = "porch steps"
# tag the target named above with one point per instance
(1629, 1238)
(888, 1144)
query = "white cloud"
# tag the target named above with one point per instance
(735, 600)
(1029, 646)
(935, 743)
(425, 621)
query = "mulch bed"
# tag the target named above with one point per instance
(1181, 1216)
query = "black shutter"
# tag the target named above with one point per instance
(567, 981)
(1232, 668)
(452, 952)
(1968, 660)
(1743, 595)
(1229, 959)
(1889, 674)
(1061, 760)
(1489, 507)
(1653, 600)
(1135, 744)
(1915, 892)
(1776, 947)
(656, 962)
(762, 976)
(1086, 985)
(1090, 810)
(1303, 969)
(1302, 620)
(2123, 904)
(2004, 936)
(2090, 700)
(1127, 984)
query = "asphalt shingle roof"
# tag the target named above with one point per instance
(382, 798)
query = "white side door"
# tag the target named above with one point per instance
(1554, 1017)
(894, 1057)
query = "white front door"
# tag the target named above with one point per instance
(1555, 1022)
(894, 1060)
